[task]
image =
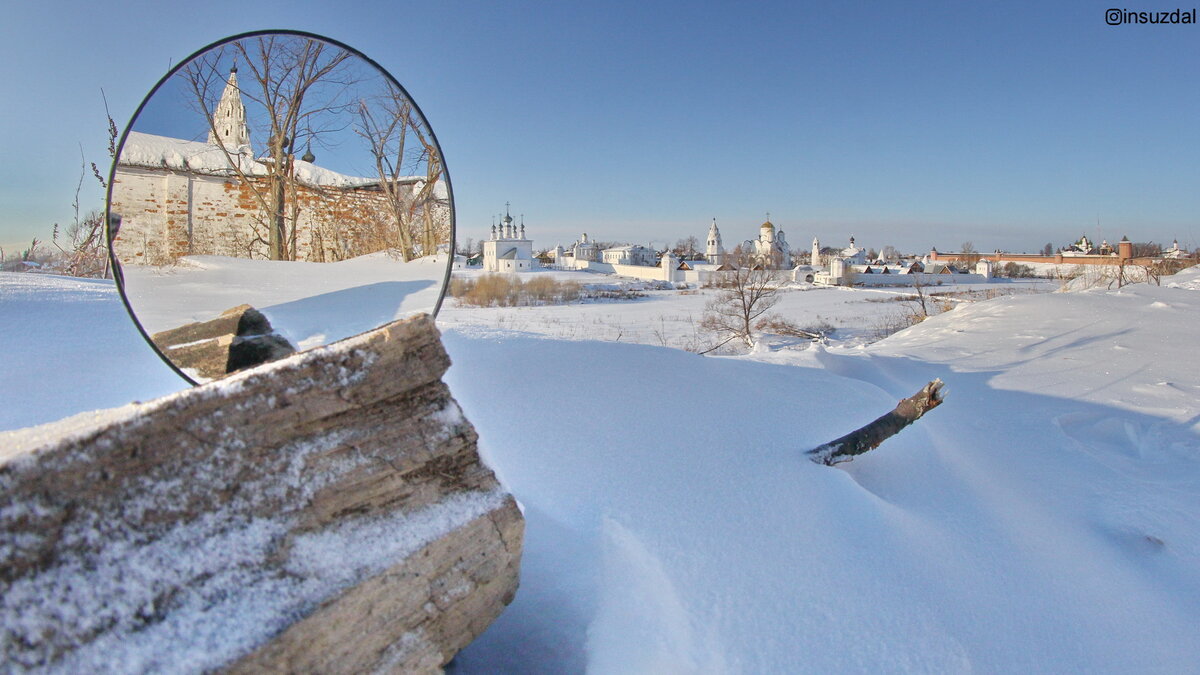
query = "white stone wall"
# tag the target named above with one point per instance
(635, 271)
(906, 279)
(167, 214)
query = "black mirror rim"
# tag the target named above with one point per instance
(119, 278)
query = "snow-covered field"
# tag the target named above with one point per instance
(671, 318)
(1043, 519)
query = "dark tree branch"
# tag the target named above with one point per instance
(857, 442)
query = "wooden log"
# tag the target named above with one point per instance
(869, 437)
(241, 337)
(327, 512)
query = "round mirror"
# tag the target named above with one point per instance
(275, 192)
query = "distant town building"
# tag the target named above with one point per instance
(634, 254)
(1175, 252)
(585, 250)
(1083, 247)
(770, 250)
(854, 255)
(1082, 252)
(508, 250)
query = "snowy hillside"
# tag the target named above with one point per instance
(1042, 519)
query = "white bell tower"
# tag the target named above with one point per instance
(713, 250)
(229, 119)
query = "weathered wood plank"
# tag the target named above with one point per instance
(259, 517)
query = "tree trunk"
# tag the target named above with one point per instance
(869, 437)
(275, 238)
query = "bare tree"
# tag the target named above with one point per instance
(1048, 249)
(969, 255)
(747, 293)
(82, 243)
(686, 248)
(920, 306)
(1156, 268)
(385, 128)
(84, 253)
(1146, 249)
(297, 85)
(409, 168)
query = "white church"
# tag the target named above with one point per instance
(770, 249)
(508, 250)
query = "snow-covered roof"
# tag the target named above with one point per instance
(162, 152)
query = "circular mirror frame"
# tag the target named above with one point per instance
(118, 276)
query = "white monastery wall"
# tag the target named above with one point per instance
(167, 214)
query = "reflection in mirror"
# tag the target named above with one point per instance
(273, 193)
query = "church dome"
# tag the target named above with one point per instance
(768, 225)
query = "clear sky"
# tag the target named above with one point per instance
(915, 124)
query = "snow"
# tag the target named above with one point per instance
(149, 150)
(310, 304)
(1041, 520)
(68, 348)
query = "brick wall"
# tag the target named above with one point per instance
(168, 214)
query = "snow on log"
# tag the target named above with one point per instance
(327, 512)
(861, 440)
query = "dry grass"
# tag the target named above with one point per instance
(894, 322)
(503, 290)
(773, 323)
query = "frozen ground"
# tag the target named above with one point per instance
(1041, 520)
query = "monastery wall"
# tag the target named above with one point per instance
(1056, 259)
(912, 279)
(167, 214)
(694, 276)
(635, 271)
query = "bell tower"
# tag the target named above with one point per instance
(714, 252)
(229, 119)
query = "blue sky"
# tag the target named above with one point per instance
(924, 124)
